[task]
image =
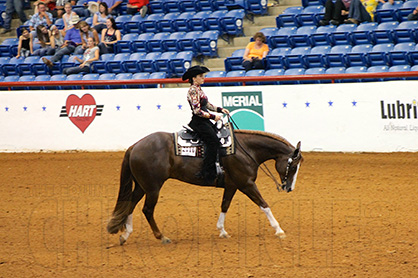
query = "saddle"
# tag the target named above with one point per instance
(188, 143)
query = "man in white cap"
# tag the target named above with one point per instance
(71, 40)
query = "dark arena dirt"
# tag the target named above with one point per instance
(351, 215)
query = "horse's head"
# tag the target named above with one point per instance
(288, 168)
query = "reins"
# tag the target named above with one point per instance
(266, 170)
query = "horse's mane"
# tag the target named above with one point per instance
(266, 134)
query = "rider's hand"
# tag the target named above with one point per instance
(218, 117)
(225, 111)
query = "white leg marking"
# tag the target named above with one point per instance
(128, 230)
(273, 222)
(220, 226)
(295, 177)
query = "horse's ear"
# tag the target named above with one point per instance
(296, 153)
(298, 145)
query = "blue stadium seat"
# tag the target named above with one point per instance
(320, 37)
(10, 78)
(121, 21)
(335, 70)
(406, 32)
(133, 25)
(163, 63)
(7, 45)
(157, 75)
(281, 38)
(362, 34)
(151, 23)
(235, 73)
(25, 78)
(234, 62)
(376, 69)
(413, 56)
(275, 56)
(383, 32)
(100, 66)
(295, 71)
(171, 43)
(336, 57)
(198, 21)
(254, 73)
(141, 43)
(172, 6)
(73, 77)
(43, 78)
(181, 63)
(219, 5)
(166, 24)
(57, 77)
(311, 15)
(189, 5)
(116, 64)
(155, 44)
(157, 6)
(315, 59)
(378, 55)
(357, 56)
(106, 77)
(25, 68)
(258, 7)
(295, 58)
(399, 68)
(11, 67)
(407, 8)
(268, 32)
(3, 60)
(131, 64)
(140, 75)
(121, 77)
(187, 43)
(354, 70)
(313, 71)
(203, 5)
(213, 21)
(215, 74)
(341, 35)
(272, 72)
(181, 24)
(89, 20)
(288, 18)
(387, 12)
(124, 45)
(306, 3)
(147, 64)
(207, 44)
(90, 76)
(301, 38)
(400, 54)
(232, 23)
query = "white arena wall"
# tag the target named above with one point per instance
(347, 117)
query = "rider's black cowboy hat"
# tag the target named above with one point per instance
(194, 71)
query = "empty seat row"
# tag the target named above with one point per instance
(336, 56)
(85, 77)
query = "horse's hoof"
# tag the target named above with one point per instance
(224, 235)
(165, 240)
(281, 235)
(122, 240)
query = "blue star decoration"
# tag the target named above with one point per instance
(118, 108)
(354, 103)
(43, 108)
(307, 104)
(284, 105)
(25, 108)
(6, 108)
(158, 106)
(330, 103)
(180, 106)
(138, 107)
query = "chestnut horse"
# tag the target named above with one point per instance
(151, 161)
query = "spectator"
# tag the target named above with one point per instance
(43, 35)
(110, 36)
(68, 16)
(11, 7)
(100, 17)
(25, 46)
(41, 17)
(255, 52)
(60, 6)
(112, 5)
(86, 32)
(336, 11)
(140, 6)
(413, 15)
(363, 11)
(71, 40)
(56, 39)
(90, 54)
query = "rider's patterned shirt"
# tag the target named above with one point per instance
(199, 102)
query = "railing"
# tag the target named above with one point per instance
(243, 80)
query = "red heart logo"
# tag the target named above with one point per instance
(81, 111)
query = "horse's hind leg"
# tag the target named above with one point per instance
(151, 199)
(137, 195)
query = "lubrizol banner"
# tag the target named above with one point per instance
(351, 117)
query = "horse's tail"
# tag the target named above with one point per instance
(123, 204)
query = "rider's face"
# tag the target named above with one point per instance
(199, 79)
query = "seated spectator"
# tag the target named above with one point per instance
(255, 52)
(336, 11)
(56, 39)
(112, 5)
(110, 36)
(11, 7)
(43, 35)
(100, 17)
(71, 40)
(25, 46)
(60, 6)
(90, 54)
(413, 15)
(86, 32)
(68, 16)
(41, 17)
(363, 11)
(135, 6)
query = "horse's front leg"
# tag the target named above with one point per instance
(226, 202)
(252, 192)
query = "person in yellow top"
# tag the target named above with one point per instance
(363, 10)
(255, 52)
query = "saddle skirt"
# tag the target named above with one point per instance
(188, 143)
